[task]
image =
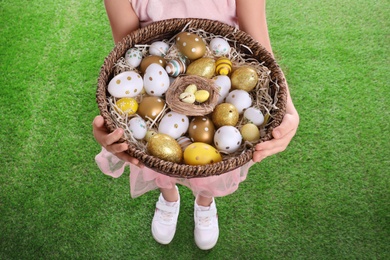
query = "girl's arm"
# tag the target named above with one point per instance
(122, 17)
(252, 19)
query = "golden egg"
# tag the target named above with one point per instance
(200, 154)
(151, 59)
(244, 78)
(165, 147)
(151, 107)
(190, 45)
(225, 114)
(126, 106)
(204, 67)
(223, 66)
(250, 132)
(201, 129)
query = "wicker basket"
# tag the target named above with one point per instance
(166, 29)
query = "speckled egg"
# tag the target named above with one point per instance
(133, 57)
(165, 147)
(125, 84)
(244, 78)
(201, 154)
(225, 114)
(219, 46)
(137, 127)
(201, 129)
(190, 45)
(227, 139)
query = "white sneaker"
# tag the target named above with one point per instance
(165, 220)
(206, 226)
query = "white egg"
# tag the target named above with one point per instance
(254, 116)
(133, 57)
(159, 48)
(125, 84)
(219, 46)
(173, 124)
(223, 84)
(240, 99)
(227, 139)
(156, 80)
(137, 127)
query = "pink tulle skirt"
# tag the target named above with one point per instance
(145, 179)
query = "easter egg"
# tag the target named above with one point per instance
(126, 106)
(184, 142)
(254, 116)
(227, 139)
(201, 154)
(201, 129)
(137, 127)
(164, 147)
(201, 95)
(225, 114)
(191, 88)
(223, 84)
(240, 99)
(173, 124)
(187, 97)
(152, 59)
(244, 78)
(223, 66)
(156, 80)
(219, 46)
(250, 132)
(158, 48)
(149, 134)
(151, 107)
(190, 45)
(204, 67)
(125, 84)
(133, 57)
(175, 67)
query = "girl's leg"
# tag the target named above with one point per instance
(206, 230)
(204, 201)
(170, 195)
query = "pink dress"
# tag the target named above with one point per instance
(144, 179)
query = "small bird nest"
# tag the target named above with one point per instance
(195, 109)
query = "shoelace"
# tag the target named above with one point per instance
(204, 221)
(166, 216)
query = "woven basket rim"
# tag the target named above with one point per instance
(165, 29)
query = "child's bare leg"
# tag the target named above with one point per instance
(170, 195)
(204, 201)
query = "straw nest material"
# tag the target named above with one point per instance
(269, 96)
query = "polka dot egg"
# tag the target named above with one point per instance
(173, 124)
(227, 139)
(156, 80)
(125, 84)
(190, 45)
(201, 154)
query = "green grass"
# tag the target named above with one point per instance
(325, 197)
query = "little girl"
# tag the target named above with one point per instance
(126, 16)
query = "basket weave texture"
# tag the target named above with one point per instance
(166, 29)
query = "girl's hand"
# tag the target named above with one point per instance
(110, 141)
(282, 135)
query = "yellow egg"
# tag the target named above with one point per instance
(190, 45)
(149, 135)
(152, 59)
(201, 129)
(204, 67)
(250, 132)
(200, 154)
(192, 88)
(225, 114)
(126, 106)
(201, 95)
(223, 66)
(151, 107)
(244, 78)
(164, 147)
